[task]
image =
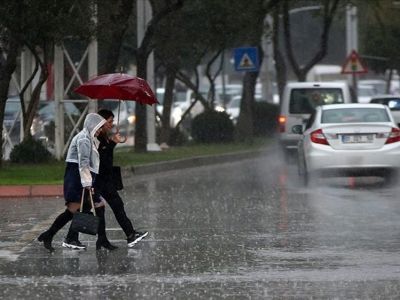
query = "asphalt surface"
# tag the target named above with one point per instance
(245, 229)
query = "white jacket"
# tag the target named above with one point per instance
(83, 148)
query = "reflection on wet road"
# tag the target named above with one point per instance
(244, 230)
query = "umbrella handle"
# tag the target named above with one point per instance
(119, 109)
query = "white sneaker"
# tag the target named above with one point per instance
(137, 237)
(76, 245)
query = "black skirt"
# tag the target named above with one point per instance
(72, 184)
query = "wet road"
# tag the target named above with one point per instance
(243, 230)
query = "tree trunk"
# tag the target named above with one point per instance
(244, 127)
(140, 109)
(7, 68)
(280, 65)
(167, 104)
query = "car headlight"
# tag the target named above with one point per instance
(219, 108)
(132, 119)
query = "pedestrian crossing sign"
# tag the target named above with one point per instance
(246, 59)
(353, 64)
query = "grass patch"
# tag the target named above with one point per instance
(52, 173)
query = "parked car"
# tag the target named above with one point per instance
(228, 92)
(349, 140)
(176, 111)
(233, 107)
(12, 120)
(365, 93)
(392, 101)
(379, 85)
(46, 114)
(299, 101)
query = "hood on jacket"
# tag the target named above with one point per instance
(93, 122)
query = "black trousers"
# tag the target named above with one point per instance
(110, 194)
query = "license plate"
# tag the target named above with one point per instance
(357, 138)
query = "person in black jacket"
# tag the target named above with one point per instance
(106, 187)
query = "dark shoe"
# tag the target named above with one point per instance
(105, 244)
(136, 237)
(71, 244)
(46, 238)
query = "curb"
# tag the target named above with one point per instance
(196, 161)
(29, 191)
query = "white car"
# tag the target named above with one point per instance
(233, 107)
(365, 93)
(392, 101)
(350, 140)
(300, 100)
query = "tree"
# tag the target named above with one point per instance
(244, 127)
(160, 11)
(329, 9)
(380, 33)
(224, 25)
(37, 26)
(114, 20)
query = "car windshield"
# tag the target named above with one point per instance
(355, 115)
(235, 102)
(305, 100)
(393, 103)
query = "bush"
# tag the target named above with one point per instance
(30, 151)
(212, 127)
(178, 137)
(265, 118)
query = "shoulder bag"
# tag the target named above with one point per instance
(85, 222)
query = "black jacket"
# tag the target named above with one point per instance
(106, 149)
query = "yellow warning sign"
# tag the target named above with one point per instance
(353, 64)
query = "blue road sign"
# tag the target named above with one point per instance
(246, 59)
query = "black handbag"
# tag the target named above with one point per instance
(85, 222)
(117, 178)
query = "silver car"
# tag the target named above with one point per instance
(349, 140)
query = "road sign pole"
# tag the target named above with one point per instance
(355, 87)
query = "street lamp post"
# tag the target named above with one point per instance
(352, 42)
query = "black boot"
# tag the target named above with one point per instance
(102, 240)
(47, 236)
(105, 243)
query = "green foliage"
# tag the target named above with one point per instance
(380, 33)
(265, 116)
(30, 151)
(212, 127)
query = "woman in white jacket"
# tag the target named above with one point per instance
(82, 166)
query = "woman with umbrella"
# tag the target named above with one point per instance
(106, 187)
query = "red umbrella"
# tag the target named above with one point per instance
(118, 86)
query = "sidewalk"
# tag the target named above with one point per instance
(28, 191)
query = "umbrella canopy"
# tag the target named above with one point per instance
(118, 86)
